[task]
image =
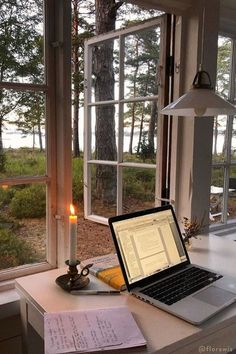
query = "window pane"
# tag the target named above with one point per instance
(142, 51)
(21, 31)
(216, 196)
(232, 194)
(104, 132)
(103, 190)
(138, 189)
(140, 131)
(22, 134)
(223, 66)
(233, 141)
(22, 225)
(219, 138)
(105, 69)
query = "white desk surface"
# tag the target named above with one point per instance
(164, 333)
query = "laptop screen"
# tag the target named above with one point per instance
(148, 243)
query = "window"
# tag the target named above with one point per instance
(123, 73)
(223, 185)
(32, 67)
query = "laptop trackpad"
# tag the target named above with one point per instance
(214, 296)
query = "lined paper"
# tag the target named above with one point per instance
(91, 330)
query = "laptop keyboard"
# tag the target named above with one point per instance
(181, 285)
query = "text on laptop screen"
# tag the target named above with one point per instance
(149, 244)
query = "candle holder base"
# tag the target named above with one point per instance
(73, 280)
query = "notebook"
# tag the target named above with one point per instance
(157, 269)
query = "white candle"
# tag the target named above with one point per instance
(73, 236)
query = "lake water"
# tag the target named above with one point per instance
(14, 139)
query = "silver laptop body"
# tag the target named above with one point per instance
(151, 251)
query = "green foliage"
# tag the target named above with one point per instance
(217, 177)
(14, 251)
(139, 183)
(223, 66)
(29, 202)
(2, 161)
(8, 223)
(77, 183)
(24, 162)
(145, 150)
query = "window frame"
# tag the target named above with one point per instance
(227, 163)
(57, 90)
(119, 164)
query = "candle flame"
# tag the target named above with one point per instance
(72, 209)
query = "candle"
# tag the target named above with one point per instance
(73, 236)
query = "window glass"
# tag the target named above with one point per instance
(233, 141)
(138, 189)
(104, 132)
(216, 194)
(103, 190)
(140, 131)
(224, 66)
(22, 134)
(22, 225)
(219, 138)
(231, 207)
(142, 51)
(21, 48)
(105, 71)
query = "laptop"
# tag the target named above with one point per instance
(157, 269)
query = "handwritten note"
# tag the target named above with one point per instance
(86, 331)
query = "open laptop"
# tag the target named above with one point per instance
(157, 269)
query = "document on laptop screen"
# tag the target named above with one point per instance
(148, 244)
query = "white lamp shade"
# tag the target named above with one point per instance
(200, 102)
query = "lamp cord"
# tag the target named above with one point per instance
(203, 35)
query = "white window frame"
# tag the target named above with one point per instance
(228, 162)
(57, 89)
(119, 164)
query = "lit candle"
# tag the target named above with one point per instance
(73, 236)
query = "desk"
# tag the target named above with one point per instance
(164, 333)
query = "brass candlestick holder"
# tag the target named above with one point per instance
(74, 280)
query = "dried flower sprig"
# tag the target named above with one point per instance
(191, 228)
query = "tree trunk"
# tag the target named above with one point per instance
(1, 120)
(140, 130)
(105, 148)
(153, 118)
(40, 136)
(133, 106)
(2, 154)
(215, 136)
(151, 128)
(33, 135)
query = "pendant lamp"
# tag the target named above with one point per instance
(200, 100)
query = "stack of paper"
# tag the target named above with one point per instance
(91, 330)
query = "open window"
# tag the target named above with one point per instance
(223, 183)
(32, 77)
(125, 138)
